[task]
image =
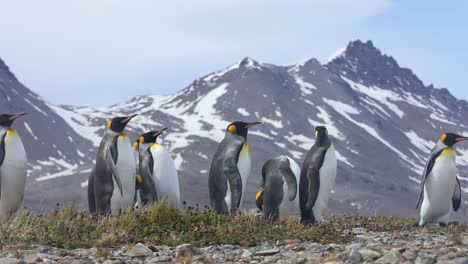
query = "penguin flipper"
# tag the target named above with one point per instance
(456, 198)
(115, 173)
(313, 174)
(290, 179)
(91, 197)
(426, 173)
(235, 182)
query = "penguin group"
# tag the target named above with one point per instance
(116, 183)
(127, 175)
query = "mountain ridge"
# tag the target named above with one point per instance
(383, 123)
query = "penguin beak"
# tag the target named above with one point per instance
(252, 124)
(16, 116)
(127, 119)
(459, 139)
(159, 132)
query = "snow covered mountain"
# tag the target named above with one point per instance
(383, 119)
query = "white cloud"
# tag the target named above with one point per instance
(150, 46)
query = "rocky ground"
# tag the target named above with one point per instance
(368, 247)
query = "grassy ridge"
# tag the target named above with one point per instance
(162, 224)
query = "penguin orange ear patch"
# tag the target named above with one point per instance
(109, 124)
(142, 140)
(232, 129)
(443, 138)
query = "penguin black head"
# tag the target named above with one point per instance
(451, 139)
(117, 124)
(240, 128)
(150, 137)
(321, 131)
(6, 120)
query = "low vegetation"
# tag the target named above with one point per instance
(162, 224)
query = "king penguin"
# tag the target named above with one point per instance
(317, 177)
(158, 171)
(111, 184)
(13, 166)
(278, 196)
(440, 188)
(230, 169)
(146, 167)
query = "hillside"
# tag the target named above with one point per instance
(384, 120)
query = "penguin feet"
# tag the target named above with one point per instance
(443, 224)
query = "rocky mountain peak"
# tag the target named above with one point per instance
(364, 63)
(248, 63)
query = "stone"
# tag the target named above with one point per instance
(268, 252)
(393, 256)
(247, 255)
(359, 231)
(159, 259)
(424, 260)
(139, 250)
(461, 260)
(355, 256)
(295, 247)
(369, 255)
(9, 261)
(184, 251)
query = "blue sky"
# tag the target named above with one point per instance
(103, 52)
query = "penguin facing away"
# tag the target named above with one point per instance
(111, 184)
(440, 188)
(230, 168)
(13, 165)
(278, 197)
(318, 175)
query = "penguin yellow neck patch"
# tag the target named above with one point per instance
(246, 147)
(447, 153)
(123, 135)
(109, 124)
(11, 130)
(155, 145)
(259, 194)
(139, 179)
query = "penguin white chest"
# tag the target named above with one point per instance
(327, 181)
(126, 168)
(439, 187)
(165, 174)
(243, 165)
(12, 173)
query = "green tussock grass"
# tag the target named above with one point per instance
(162, 224)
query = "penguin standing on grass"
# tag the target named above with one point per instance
(230, 169)
(158, 171)
(111, 184)
(13, 166)
(317, 177)
(440, 188)
(147, 188)
(278, 197)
